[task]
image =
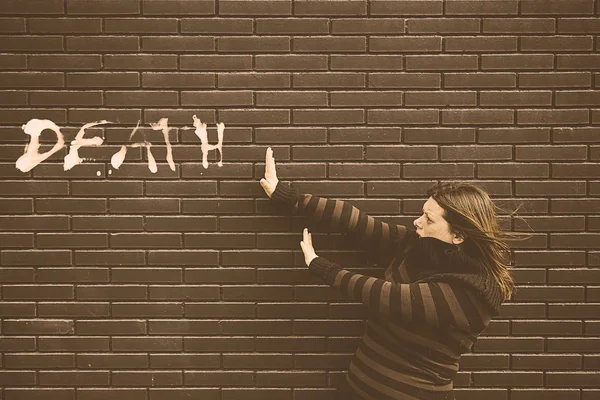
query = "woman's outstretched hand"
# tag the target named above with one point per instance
(307, 247)
(269, 182)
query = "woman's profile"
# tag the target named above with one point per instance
(444, 282)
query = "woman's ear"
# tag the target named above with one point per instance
(458, 238)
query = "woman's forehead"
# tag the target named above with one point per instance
(432, 206)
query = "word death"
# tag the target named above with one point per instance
(32, 157)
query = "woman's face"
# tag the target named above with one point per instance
(432, 223)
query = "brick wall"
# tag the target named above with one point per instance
(124, 284)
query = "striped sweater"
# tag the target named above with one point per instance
(430, 309)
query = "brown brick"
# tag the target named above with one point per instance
(260, 117)
(447, 98)
(513, 170)
(586, 170)
(178, 43)
(551, 224)
(65, 62)
(576, 135)
(12, 61)
(442, 62)
(217, 26)
(517, 61)
(102, 79)
(39, 326)
(108, 257)
(478, 44)
(347, 170)
(140, 62)
(290, 135)
(562, 152)
(557, 43)
(65, 25)
(187, 257)
(70, 98)
(35, 257)
(408, 7)
(443, 25)
(83, 7)
(578, 98)
(329, 44)
(141, 98)
(574, 241)
(107, 223)
(102, 43)
(557, 7)
(405, 44)
(39, 361)
(514, 135)
(478, 116)
(439, 135)
(291, 62)
(472, 7)
(518, 25)
(405, 80)
(376, 26)
(147, 378)
(254, 80)
(292, 98)
(138, 275)
(550, 188)
(40, 7)
(516, 98)
(124, 116)
(404, 153)
(16, 240)
(111, 292)
(405, 117)
(211, 62)
(31, 43)
(575, 206)
(577, 61)
(366, 135)
(178, 7)
(103, 393)
(187, 361)
(147, 344)
(479, 152)
(249, 44)
(393, 188)
(259, 8)
(12, 25)
(67, 240)
(578, 25)
(553, 117)
(219, 378)
(480, 80)
(31, 79)
(341, 8)
(135, 25)
(441, 170)
(79, 378)
(70, 309)
(361, 62)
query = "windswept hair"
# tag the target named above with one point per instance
(471, 215)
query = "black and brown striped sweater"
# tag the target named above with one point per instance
(430, 309)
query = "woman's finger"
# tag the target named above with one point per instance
(270, 164)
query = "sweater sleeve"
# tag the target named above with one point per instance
(339, 216)
(437, 304)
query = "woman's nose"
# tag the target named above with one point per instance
(416, 223)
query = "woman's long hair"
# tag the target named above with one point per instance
(471, 214)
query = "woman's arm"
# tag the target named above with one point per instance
(337, 215)
(437, 304)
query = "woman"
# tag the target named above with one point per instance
(444, 282)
